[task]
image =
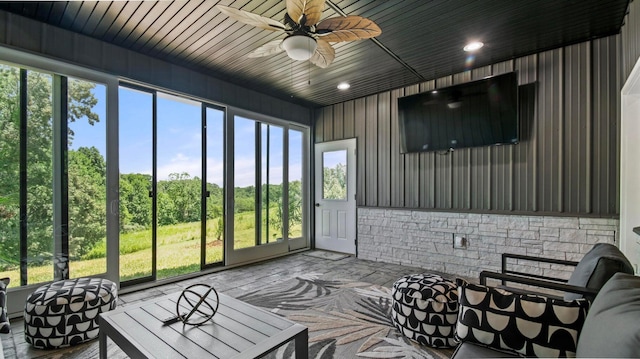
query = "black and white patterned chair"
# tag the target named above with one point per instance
(65, 313)
(425, 309)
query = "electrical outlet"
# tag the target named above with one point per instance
(459, 241)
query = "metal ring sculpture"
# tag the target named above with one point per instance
(195, 307)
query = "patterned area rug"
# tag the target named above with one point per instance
(346, 319)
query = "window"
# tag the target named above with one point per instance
(53, 175)
(334, 175)
(269, 157)
(296, 203)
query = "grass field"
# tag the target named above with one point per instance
(178, 252)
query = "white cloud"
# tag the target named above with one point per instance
(178, 164)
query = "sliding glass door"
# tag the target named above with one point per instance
(213, 186)
(122, 181)
(267, 199)
(53, 177)
(136, 183)
(179, 194)
(171, 201)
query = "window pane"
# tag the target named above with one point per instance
(136, 163)
(334, 176)
(244, 175)
(272, 156)
(179, 187)
(295, 184)
(215, 181)
(40, 231)
(87, 178)
(9, 173)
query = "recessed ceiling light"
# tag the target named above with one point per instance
(473, 46)
(343, 86)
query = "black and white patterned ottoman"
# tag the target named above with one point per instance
(425, 309)
(65, 313)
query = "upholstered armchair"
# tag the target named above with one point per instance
(588, 276)
(596, 316)
(494, 323)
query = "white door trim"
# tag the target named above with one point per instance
(630, 168)
(335, 219)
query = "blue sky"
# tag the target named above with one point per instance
(179, 139)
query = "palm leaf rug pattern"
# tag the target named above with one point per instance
(346, 319)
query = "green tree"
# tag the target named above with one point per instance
(335, 182)
(9, 166)
(135, 204)
(184, 193)
(214, 201)
(219, 230)
(244, 199)
(295, 209)
(39, 158)
(87, 199)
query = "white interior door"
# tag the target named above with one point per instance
(335, 196)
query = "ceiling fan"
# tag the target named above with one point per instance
(307, 38)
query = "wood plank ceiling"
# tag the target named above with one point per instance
(420, 39)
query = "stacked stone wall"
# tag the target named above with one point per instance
(425, 239)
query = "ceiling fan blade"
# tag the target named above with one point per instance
(270, 48)
(350, 28)
(324, 55)
(305, 12)
(251, 19)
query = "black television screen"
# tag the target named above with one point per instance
(478, 113)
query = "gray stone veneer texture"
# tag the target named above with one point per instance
(425, 239)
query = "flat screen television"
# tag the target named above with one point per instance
(473, 114)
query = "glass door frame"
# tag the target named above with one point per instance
(272, 249)
(17, 296)
(152, 192)
(154, 183)
(205, 193)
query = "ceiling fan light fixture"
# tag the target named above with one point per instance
(473, 46)
(299, 47)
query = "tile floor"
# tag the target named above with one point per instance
(233, 282)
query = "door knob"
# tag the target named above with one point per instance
(317, 204)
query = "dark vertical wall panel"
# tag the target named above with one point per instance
(577, 126)
(327, 134)
(502, 162)
(384, 149)
(550, 125)
(338, 121)
(349, 120)
(397, 159)
(371, 147)
(525, 155)
(480, 178)
(360, 128)
(605, 131)
(480, 174)
(318, 130)
(630, 38)
(566, 161)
